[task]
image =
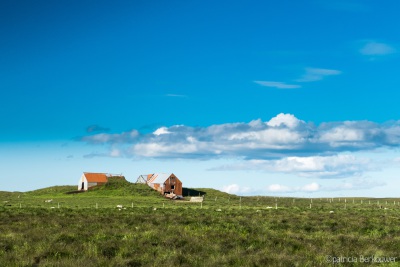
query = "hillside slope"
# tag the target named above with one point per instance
(121, 187)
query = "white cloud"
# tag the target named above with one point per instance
(279, 85)
(235, 189)
(323, 167)
(358, 134)
(115, 153)
(373, 48)
(164, 149)
(310, 75)
(316, 74)
(161, 130)
(267, 138)
(102, 138)
(310, 187)
(284, 119)
(278, 188)
(281, 137)
(231, 189)
(342, 135)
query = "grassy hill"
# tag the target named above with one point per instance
(119, 187)
(51, 191)
(116, 192)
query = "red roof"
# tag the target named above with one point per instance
(96, 177)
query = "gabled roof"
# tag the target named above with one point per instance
(142, 179)
(96, 177)
(159, 178)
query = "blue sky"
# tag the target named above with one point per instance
(250, 97)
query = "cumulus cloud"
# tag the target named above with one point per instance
(287, 120)
(373, 48)
(235, 189)
(279, 85)
(316, 74)
(161, 130)
(281, 137)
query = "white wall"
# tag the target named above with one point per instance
(85, 183)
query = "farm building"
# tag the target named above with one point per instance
(162, 182)
(90, 179)
(142, 179)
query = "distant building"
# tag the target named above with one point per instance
(90, 179)
(162, 182)
(142, 179)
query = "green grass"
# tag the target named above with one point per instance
(225, 230)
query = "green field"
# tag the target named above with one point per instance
(87, 229)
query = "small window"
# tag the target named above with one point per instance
(172, 187)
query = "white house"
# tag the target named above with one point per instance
(89, 179)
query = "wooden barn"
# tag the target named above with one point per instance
(164, 183)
